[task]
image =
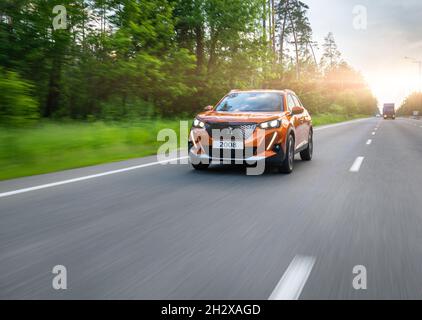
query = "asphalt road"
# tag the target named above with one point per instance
(168, 232)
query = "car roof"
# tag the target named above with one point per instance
(263, 90)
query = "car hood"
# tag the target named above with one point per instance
(247, 117)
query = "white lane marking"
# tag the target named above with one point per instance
(374, 133)
(59, 183)
(376, 129)
(357, 164)
(294, 279)
(368, 142)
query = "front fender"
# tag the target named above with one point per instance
(288, 130)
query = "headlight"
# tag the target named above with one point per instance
(270, 124)
(198, 124)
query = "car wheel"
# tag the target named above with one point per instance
(306, 155)
(288, 163)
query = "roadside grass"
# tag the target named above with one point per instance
(329, 118)
(52, 146)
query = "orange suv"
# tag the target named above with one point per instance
(251, 126)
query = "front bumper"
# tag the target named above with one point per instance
(271, 149)
(273, 159)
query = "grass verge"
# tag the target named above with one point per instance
(328, 118)
(53, 147)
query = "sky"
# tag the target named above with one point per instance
(393, 31)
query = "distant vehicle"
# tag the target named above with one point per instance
(389, 111)
(416, 115)
(277, 114)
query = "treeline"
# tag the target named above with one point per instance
(412, 103)
(108, 59)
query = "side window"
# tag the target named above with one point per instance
(290, 102)
(297, 101)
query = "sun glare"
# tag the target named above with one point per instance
(392, 88)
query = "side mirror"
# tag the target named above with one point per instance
(208, 108)
(297, 110)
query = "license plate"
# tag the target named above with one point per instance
(232, 145)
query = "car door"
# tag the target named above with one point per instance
(296, 119)
(307, 125)
(304, 122)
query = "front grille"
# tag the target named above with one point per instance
(247, 129)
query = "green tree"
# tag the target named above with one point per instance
(294, 29)
(17, 107)
(412, 103)
(331, 56)
(168, 57)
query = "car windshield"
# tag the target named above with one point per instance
(251, 102)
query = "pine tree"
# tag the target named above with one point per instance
(331, 57)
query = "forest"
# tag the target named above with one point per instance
(411, 104)
(143, 59)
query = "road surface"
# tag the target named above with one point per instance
(168, 232)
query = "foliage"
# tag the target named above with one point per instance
(331, 56)
(412, 103)
(170, 57)
(17, 107)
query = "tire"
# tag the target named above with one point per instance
(306, 155)
(288, 163)
(200, 166)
